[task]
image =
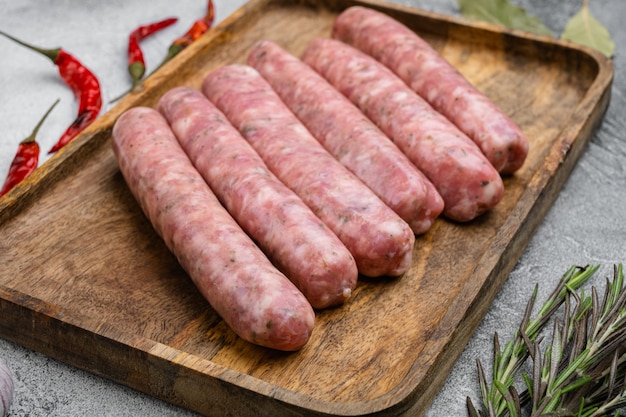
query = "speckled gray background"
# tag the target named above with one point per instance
(587, 223)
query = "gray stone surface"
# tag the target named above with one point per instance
(587, 223)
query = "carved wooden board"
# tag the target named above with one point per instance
(86, 280)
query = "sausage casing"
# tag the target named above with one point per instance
(350, 136)
(296, 240)
(380, 241)
(256, 300)
(442, 85)
(465, 179)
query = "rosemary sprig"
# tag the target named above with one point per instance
(583, 370)
(500, 398)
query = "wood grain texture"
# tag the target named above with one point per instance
(86, 280)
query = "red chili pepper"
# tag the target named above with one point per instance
(136, 63)
(83, 83)
(26, 157)
(196, 30)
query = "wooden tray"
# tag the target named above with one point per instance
(86, 280)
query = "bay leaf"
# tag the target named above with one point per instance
(585, 29)
(502, 12)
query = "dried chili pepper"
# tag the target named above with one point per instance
(26, 158)
(83, 83)
(196, 30)
(136, 62)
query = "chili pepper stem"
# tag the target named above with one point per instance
(137, 71)
(171, 53)
(121, 96)
(53, 54)
(135, 88)
(31, 137)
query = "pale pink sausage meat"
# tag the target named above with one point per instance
(465, 179)
(380, 241)
(430, 75)
(256, 300)
(296, 240)
(350, 136)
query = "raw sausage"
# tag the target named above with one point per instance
(380, 241)
(465, 179)
(256, 300)
(296, 240)
(431, 76)
(350, 136)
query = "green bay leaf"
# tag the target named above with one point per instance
(502, 12)
(586, 30)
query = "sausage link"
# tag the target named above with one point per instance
(431, 76)
(350, 136)
(380, 241)
(256, 300)
(465, 179)
(294, 238)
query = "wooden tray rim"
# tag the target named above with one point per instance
(55, 169)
